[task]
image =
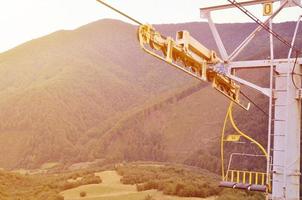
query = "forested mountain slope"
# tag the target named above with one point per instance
(92, 93)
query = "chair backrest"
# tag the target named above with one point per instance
(246, 177)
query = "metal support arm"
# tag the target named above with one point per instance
(187, 54)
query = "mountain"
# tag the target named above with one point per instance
(92, 93)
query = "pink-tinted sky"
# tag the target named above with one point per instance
(21, 21)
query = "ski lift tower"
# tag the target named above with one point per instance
(284, 95)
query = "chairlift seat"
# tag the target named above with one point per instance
(227, 184)
(258, 188)
(242, 186)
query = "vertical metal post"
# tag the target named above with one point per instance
(269, 134)
(292, 167)
(286, 150)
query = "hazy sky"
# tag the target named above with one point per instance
(21, 21)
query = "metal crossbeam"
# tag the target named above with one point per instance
(228, 6)
(261, 63)
(259, 28)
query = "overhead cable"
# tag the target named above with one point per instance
(120, 12)
(263, 25)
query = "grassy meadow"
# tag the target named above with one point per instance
(156, 182)
(111, 188)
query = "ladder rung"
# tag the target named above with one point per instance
(281, 135)
(276, 181)
(275, 172)
(279, 105)
(281, 75)
(271, 164)
(282, 150)
(278, 120)
(275, 165)
(280, 90)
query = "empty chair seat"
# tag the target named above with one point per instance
(243, 186)
(245, 180)
(227, 184)
(258, 188)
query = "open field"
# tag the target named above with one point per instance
(129, 182)
(112, 189)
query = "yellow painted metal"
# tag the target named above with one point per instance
(244, 177)
(246, 136)
(252, 177)
(232, 138)
(222, 140)
(238, 176)
(227, 176)
(256, 178)
(187, 54)
(267, 9)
